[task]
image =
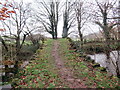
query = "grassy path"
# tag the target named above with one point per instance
(56, 66)
(41, 72)
(65, 73)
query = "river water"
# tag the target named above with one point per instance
(101, 59)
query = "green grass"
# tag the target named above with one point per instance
(91, 77)
(40, 73)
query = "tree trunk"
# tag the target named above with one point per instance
(107, 52)
(66, 20)
(56, 20)
(16, 67)
(80, 35)
(17, 54)
(65, 32)
(6, 72)
(118, 60)
(56, 30)
(118, 64)
(53, 36)
(119, 20)
(107, 43)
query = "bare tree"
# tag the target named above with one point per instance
(32, 27)
(16, 26)
(82, 17)
(68, 18)
(118, 19)
(48, 15)
(104, 13)
(118, 51)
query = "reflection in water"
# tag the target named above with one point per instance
(101, 59)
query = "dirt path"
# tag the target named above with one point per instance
(65, 73)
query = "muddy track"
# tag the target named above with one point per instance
(65, 73)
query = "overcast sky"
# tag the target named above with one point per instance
(60, 24)
(93, 28)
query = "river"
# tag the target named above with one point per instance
(101, 59)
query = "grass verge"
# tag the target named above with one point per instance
(41, 72)
(83, 70)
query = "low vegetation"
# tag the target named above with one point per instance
(92, 47)
(83, 69)
(26, 53)
(41, 72)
